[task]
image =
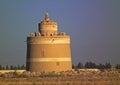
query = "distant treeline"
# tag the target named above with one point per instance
(94, 65)
(12, 67)
(87, 65)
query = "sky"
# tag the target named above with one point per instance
(94, 27)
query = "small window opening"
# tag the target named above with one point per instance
(57, 63)
(50, 34)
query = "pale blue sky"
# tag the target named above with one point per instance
(94, 27)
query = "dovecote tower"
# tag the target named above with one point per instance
(48, 50)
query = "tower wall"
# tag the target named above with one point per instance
(48, 53)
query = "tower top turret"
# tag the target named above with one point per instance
(47, 27)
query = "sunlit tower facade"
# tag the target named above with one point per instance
(48, 50)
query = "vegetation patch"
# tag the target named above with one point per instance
(73, 77)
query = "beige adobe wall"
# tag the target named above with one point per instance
(49, 53)
(49, 66)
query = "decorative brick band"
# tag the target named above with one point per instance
(51, 41)
(48, 59)
(48, 27)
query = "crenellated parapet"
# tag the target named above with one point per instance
(34, 34)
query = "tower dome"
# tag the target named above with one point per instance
(47, 27)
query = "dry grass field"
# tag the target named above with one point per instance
(6, 71)
(78, 77)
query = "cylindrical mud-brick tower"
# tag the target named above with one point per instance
(48, 50)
